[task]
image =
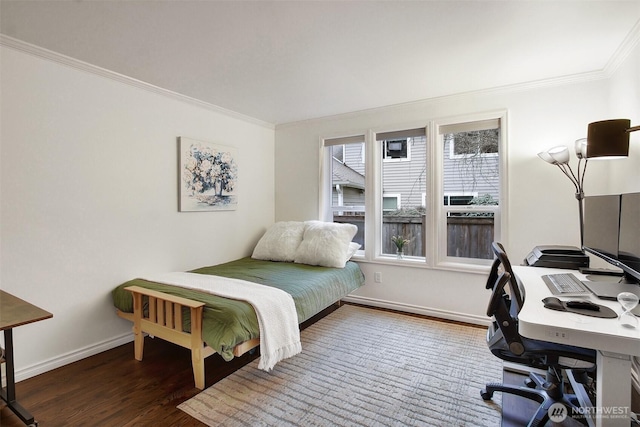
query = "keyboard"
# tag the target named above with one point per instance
(565, 284)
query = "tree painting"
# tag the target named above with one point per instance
(209, 175)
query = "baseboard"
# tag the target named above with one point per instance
(65, 359)
(415, 309)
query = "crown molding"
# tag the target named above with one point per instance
(68, 61)
(624, 50)
(513, 88)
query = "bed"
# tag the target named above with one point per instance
(206, 323)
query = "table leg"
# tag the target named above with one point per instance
(613, 395)
(9, 393)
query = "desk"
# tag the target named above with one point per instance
(615, 344)
(16, 312)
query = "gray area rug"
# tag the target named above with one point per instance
(364, 367)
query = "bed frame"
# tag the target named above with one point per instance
(164, 320)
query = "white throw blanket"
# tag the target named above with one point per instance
(276, 311)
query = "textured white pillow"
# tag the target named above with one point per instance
(280, 241)
(353, 248)
(325, 244)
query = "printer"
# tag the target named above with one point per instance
(555, 256)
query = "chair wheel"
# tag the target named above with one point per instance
(486, 395)
(530, 383)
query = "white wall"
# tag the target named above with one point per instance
(540, 208)
(624, 102)
(89, 199)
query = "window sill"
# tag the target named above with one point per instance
(417, 262)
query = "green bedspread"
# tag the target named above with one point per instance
(228, 322)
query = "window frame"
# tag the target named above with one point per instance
(441, 212)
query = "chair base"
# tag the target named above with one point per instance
(536, 391)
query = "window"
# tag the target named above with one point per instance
(458, 199)
(440, 186)
(391, 202)
(396, 149)
(471, 188)
(346, 174)
(403, 184)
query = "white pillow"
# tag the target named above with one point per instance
(280, 241)
(353, 248)
(325, 244)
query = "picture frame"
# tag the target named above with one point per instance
(207, 176)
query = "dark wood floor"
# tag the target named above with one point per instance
(113, 389)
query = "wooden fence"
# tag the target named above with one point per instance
(467, 237)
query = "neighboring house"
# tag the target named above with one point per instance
(468, 173)
(470, 167)
(348, 186)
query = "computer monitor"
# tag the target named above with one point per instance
(612, 231)
(629, 240)
(601, 225)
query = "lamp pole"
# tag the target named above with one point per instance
(559, 156)
(578, 183)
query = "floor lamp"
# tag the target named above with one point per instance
(605, 139)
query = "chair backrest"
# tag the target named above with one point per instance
(506, 299)
(502, 262)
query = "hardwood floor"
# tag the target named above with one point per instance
(114, 389)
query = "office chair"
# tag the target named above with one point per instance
(504, 341)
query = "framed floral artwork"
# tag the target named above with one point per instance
(208, 176)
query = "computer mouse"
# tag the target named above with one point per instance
(553, 303)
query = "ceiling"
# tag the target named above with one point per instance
(285, 61)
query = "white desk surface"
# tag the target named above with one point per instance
(614, 343)
(538, 322)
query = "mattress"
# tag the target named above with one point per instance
(228, 322)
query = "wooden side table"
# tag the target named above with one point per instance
(15, 312)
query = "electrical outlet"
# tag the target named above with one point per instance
(377, 277)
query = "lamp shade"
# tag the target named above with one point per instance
(546, 157)
(608, 138)
(581, 148)
(560, 154)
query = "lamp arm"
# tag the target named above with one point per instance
(633, 129)
(570, 175)
(584, 172)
